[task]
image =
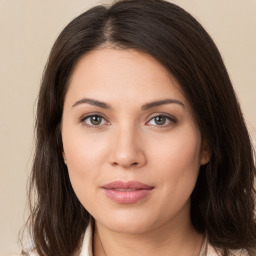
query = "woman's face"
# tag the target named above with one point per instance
(131, 144)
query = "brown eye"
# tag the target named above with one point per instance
(162, 120)
(93, 120)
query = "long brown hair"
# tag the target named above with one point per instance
(224, 197)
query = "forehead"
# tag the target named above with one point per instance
(124, 74)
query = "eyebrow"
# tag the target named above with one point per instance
(92, 102)
(144, 107)
(161, 102)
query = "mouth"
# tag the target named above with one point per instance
(127, 192)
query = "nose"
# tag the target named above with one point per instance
(127, 149)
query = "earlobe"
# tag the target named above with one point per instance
(205, 153)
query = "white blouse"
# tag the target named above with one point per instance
(86, 250)
(206, 250)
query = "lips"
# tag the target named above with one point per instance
(127, 192)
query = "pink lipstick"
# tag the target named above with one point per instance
(127, 192)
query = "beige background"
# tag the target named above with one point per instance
(28, 29)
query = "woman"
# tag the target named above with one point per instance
(141, 145)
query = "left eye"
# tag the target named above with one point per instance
(161, 120)
(94, 120)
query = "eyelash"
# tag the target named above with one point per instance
(169, 118)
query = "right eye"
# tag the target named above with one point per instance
(93, 121)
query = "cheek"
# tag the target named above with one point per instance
(177, 165)
(180, 148)
(87, 158)
(179, 159)
(83, 152)
(83, 175)
(84, 155)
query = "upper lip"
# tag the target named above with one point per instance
(127, 185)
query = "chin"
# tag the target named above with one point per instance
(128, 227)
(129, 223)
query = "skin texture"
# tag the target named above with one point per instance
(128, 144)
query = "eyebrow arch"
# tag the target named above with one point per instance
(161, 102)
(144, 107)
(92, 102)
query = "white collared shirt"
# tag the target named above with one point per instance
(86, 250)
(206, 250)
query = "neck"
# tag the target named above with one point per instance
(169, 240)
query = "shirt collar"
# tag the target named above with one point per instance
(86, 250)
(87, 242)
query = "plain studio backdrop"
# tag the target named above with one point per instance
(29, 28)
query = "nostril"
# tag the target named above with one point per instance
(127, 165)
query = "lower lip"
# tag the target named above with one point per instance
(127, 197)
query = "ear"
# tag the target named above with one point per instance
(206, 153)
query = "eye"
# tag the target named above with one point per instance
(162, 120)
(93, 120)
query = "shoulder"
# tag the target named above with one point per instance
(29, 254)
(211, 251)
